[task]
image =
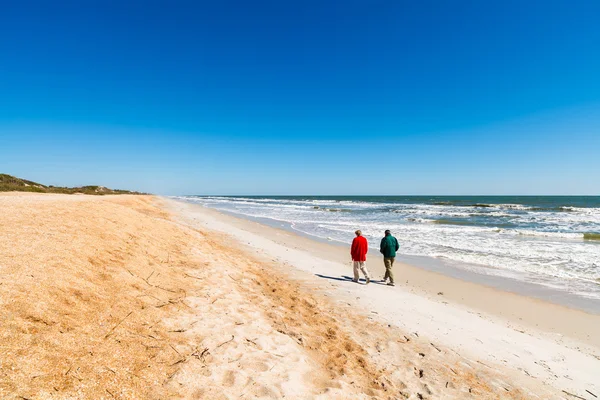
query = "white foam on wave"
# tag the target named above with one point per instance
(562, 235)
(512, 206)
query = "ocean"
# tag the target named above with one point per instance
(548, 240)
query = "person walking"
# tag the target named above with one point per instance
(388, 247)
(358, 251)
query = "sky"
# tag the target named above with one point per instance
(303, 97)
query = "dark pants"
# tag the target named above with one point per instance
(389, 262)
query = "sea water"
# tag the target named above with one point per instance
(549, 240)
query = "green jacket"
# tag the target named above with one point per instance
(389, 246)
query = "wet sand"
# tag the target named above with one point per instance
(512, 283)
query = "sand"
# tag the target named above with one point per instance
(557, 345)
(132, 297)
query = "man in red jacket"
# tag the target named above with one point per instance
(359, 256)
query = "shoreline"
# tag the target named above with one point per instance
(515, 242)
(510, 284)
(518, 308)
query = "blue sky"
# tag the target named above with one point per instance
(306, 97)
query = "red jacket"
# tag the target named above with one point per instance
(359, 249)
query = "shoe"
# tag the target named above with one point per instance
(391, 284)
(368, 281)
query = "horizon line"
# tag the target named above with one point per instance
(390, 195)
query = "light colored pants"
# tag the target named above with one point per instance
(363, 267)
(389, 263)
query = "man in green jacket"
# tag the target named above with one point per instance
(388, 247)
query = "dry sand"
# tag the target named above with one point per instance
(114, 297)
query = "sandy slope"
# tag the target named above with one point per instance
(109, 297)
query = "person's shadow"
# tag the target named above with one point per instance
(345, 278)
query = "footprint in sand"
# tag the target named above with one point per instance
(228, 378)
(258, 366)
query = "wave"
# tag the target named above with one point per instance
(451, 222)
(487, 205)
(501, 206)
(554, 209)
(439, 208)
(586, 210)
(522, 207)
(557, 235)
(435, 213)
(508, 229)
(299, 202)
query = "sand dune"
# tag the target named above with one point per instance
(112, 297)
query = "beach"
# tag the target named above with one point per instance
(146, 297)
(548, 241)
